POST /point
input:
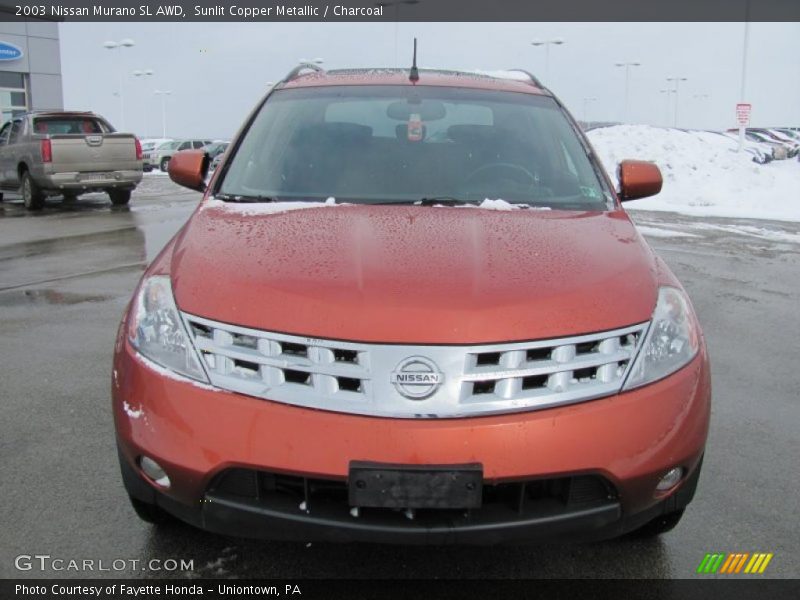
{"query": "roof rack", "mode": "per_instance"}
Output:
(533, 78)
(299, 69)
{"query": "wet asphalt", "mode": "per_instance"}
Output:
(66, 275)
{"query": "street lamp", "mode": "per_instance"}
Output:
(627, 66)
(144, 74)
(677, 81)
(547, 44)
(586, 102)
(118, 46)
(163, 94)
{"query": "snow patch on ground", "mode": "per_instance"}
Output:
(265, 208)
(703, 173)
(663, 233)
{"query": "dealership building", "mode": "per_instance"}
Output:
(30, 67)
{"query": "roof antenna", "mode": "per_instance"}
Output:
(413, 75)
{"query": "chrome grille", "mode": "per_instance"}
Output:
(356, 377)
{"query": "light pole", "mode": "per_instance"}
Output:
(547, 44)
(144, 74)
(667, 92)
(111, 45)
(163, 94)
(677, 81)
(586, 102)
(742, 94)
(627, 66)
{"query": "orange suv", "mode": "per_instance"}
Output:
(411, 309)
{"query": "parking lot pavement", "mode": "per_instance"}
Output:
(66, 275)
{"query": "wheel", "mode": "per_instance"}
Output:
(659, 525)
(147, 168)
(149, 513)
(32, 195)
(70, 196)
(164, 164)
(119, 197)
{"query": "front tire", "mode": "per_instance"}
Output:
(70, 197)
(164, 164)
(32, 195)
(119, 197)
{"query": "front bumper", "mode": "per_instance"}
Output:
(196, 433)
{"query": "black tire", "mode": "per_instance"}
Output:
(150, 513)
(164, 164)
(119, 197)
(32, 195)
(70, 196)
(659, 525)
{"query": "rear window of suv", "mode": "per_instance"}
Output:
(68, 125)
(376, 144)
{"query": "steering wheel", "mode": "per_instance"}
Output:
(509, 167)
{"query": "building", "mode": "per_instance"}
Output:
(30, 67)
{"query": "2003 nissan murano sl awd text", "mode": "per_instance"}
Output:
(411, 309)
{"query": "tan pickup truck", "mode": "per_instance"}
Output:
(67, 153)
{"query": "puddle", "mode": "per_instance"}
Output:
(39, 297)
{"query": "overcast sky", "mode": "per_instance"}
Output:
(218, 71)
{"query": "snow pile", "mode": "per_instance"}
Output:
(703, 173)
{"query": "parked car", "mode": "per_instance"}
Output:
(761, 153)
(780, 150)
(214, 149)
(348, 342)
(160, 156)
(67, 153)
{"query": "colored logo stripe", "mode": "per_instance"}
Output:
(720, 562)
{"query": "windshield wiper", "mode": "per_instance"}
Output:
(240, 198)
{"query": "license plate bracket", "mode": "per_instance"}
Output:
(380, 485)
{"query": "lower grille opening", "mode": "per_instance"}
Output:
(245, 367)
(347, 356)
(329, 497)
(534, 382)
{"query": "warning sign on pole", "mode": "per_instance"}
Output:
(743, 114)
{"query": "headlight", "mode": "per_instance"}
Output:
(157, 331)
(672, 340)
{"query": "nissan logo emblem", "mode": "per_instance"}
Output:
(416, 378)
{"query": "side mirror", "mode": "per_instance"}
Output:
(637, 179)
(189, 169)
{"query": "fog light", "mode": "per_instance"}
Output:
(670, 480)
(154, 471)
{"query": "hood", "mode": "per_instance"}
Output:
(410, 274)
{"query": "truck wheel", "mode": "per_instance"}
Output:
(164, 164)
(150, 513)
(119, 197)
(70, 196)
(32, 195)
(659, 525)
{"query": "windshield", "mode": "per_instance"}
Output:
(379, 144)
